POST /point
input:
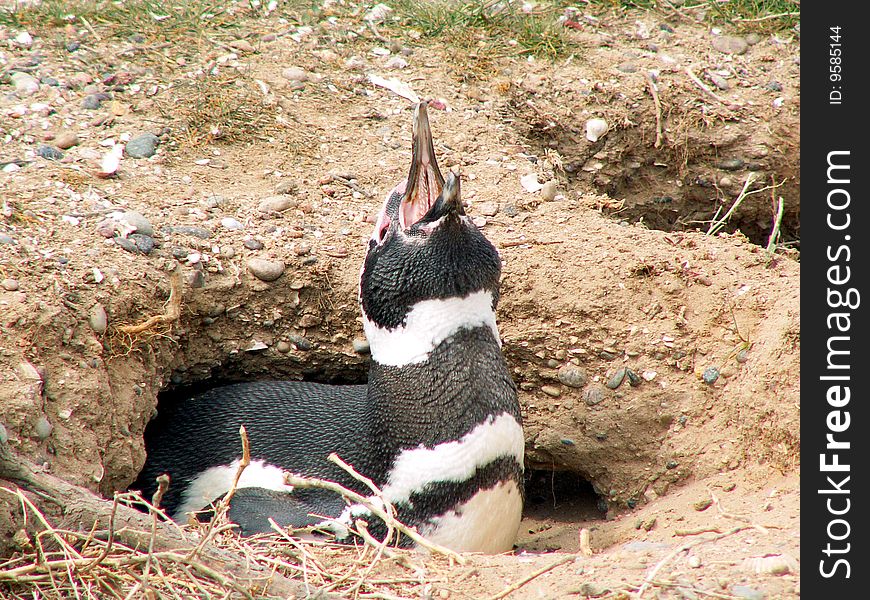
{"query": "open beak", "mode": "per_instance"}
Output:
(425, 181)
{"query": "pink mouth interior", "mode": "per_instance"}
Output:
(425, 193)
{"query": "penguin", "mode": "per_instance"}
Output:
(437, 427)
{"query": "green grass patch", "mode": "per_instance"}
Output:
(153, 19)
(481, 23)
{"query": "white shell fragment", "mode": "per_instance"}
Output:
(111, 161)
(530, 183)
(595, 129)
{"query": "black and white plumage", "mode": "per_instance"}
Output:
(438, 425)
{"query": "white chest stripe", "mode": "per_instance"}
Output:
(216, 481)
(429, 323)
(455, 461)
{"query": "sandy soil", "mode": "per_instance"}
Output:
(683, 469)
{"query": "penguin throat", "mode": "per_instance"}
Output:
(423, 194)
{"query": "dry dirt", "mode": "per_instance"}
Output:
(589, 286)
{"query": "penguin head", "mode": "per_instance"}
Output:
(424, 246)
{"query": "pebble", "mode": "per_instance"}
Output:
(241, 45)
(5, 239)
(773, 86)
(137, 221)
(719, 81)
(266, 270)
(252, 244)
(666, 27)
(49, 153)
(300, 342)
(142, 146)
(98, 319)
(4, 435)
(295, 74)
(227, 252)
(548, 192)
(66, 140)
(126, 244)
(180, 253)
(730, 44)
(231, 224)
(694, 561)
(710, 375)
(43, 427)
(49, 81)
(73, 46)
(616, 379)
(743, 356)
(92, 101)
(634, 379)
(144, 243)
(276, 204)
(287, 187)
(572, 376)
(747, 593)
(361, 346)
(753, 38)
(627, 67)
(283, 347)
(730, 164)
(551, 391)
(196, 279)
(593, 395)
(194, 230)
(10, 285)
(488, 209)
(25, 84)
(24, 39)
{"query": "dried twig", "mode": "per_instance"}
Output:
(655, 95)
(777, 222)
(706, 89)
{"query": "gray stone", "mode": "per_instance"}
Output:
(295, 74)
(719, 81)
(572, 376)
(747, 593)
(253, 244)
(194, 230)
(730, 44)
(144, 243)
(25, 84)
(300, 342)
(98, 319)
(627, 67)
(710, 375)
(126, 244)
(551, 390)
(137, 221)
(616, 379)
(593, 395)
(773, 86)
(92, 101)
(142, 146)
(5, 239)
(753, 38)
(49, 153)
(730, 164)
(266, 270)
(43, 427)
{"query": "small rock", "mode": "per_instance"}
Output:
(730, 164)
(5, 239)
(719, 81)
(49, 153)
(4, 435)
(295, 74)
(194, 230)
(710, 375)
(126, 244)
(742, 356)
(361, 346)
(241, 45)
(144, 243)
(73, 46)
(137, 221)
(266, 270)
(548, 192)
(276, 204)
(551, 391)
(595, 129)
(25, 84)
(92, 101)
(24, 39)
(730, 44)
(694, 561)
(592, 590)
(300, 342)
(252, 244)
(283, 347)
(666, 27)
(10, 285)
(49, 81)
(43, 427)
(616, 379)
(593, 395)
(702, 505)
(302, 249)
(753, 38)
(231, 224)
(747, 593)
(773, 86)
(488, 209)
(98, 319)
(627, 67)
(634, 379)
(196, 279)
(227, 252)
(572, 376)
(66, 140)
(142, 146)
